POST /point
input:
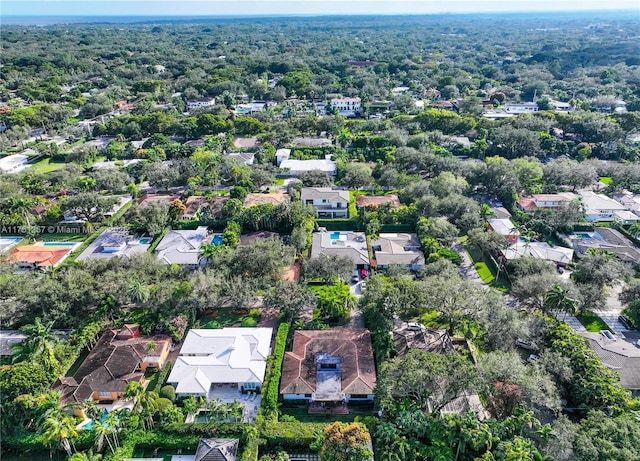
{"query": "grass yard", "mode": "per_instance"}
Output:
(46, 166)
(301, 413)
(227, 317)
(484, 271)
(606, 180)
(79, 237)
(591, 321)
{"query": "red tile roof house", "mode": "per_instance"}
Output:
(544, 201)
(120, 357)
(377, 200)
(329, 369)
(39, 256)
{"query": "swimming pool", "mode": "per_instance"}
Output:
(145, 241)
(337, 236)
(217, 239)
(59, 244)
(583, 235)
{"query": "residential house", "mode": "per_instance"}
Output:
(505, 228)
(243, 158)
(327, 202)
(14, 163)
(347, 107)
(228, 357)
(246, 143)
(40, 255)
(397, 250)
(540, 250)
(560, 106)
(600, 208)
(500, 212)
(607, 239)
(619, 356)
(250, 108)
(363, 201)
(215, 450)
(289, 167)
(329, 369)
(350, 244)
(545, 201)
(115, 241)
(630, 201)
(311, 142)
(406, 338)
(282, 155)
(182, 247)
(521, 108)
(119, 357)
(193, 205)
(200, 102)
(163, 198)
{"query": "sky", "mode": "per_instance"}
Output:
(292, 7)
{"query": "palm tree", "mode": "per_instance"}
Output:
(139, 292)
(60, 428)
(103, 431)
(37, 344)
(634, 230)
(86, 456)
(143, 402)
(558, 298)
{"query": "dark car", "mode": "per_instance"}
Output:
(626, 322)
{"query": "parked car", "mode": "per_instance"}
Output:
(528, 345)
(363, 286)
(626, 322)
(355, 278)
(560, 270)
(532, 358)
(413, 326)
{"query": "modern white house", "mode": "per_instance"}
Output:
(521, 108)
(348, 107)
(200, 102)
(600, 208)
(296, 167)
(505, 228)
(182, 247)
(14, 163)
(217, 358)
(350, 244)
(327, 202)
(539, 250)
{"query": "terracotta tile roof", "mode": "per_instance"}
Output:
(527, 203)
(110, 366)
(352, 345)
(371, 200)
(42, 256)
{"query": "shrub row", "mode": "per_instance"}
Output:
(271, 385)
(162, 377)
(338, 224)
(291, 436)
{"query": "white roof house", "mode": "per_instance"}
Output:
(14, 163)
(294, 167)
(539, 250)
(182, 247)
(503, 226)
(234, 356)
(350, 244)
(599, 207)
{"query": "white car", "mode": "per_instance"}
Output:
(413, 326)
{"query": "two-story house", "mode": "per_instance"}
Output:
(327, 202)
(348, 107)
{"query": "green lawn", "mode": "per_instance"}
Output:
(606, 180)
(80, 237)
(485, 272)
(220, 318)
(45, 166)
(301, 414)
(591, 321)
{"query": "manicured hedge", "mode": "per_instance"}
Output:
(291, 437)
(338, 224)
(271, 385)
(162, 377)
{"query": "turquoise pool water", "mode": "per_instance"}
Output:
(145, 241)
(335, 236)
(217, 239)
(59, 244)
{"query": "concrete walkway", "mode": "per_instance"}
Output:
(570, 320)
(467, 271)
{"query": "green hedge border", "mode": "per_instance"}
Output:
(271, 385)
